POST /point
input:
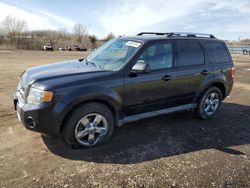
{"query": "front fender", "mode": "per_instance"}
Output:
(84, 94)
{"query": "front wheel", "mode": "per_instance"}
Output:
(89, 125)
(209, 103)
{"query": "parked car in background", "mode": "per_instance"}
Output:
(78, 48)
(48, 47)
(61, 49)
(127, 79)
(75, 48)
(246, 52)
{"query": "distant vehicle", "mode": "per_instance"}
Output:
(127, 79)
(61, 49)
(68, 48)
(246, 52)
(82, 49)
(77, 48)
(48, 47)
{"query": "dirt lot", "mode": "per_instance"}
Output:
(169, 151)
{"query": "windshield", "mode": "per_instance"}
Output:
(114, 54)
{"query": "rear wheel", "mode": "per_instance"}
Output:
(209, 103)
(89, 125)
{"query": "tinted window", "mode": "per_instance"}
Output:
(190, 53)
(158, 56)
(216, 52)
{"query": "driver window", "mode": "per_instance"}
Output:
(158, 56)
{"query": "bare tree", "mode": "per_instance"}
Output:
(79, 31)
(1, 29)
(1, 34)
(93, 39)
(245, 40)
(14, 28)
(109, 36)
(13, 34)
(63, 34)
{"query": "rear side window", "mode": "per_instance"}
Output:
(216, 52)
(190, 54)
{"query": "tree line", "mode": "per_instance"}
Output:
(14, 34)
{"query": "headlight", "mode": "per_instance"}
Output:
(37, 96)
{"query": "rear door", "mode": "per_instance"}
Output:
(192, 69)
(221, 60)
(219, 57)
(154, 90)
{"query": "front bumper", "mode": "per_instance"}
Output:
(37, 118)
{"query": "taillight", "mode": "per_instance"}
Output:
(232, 72)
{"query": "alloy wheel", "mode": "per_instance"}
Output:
(211, 103)
(91, 129)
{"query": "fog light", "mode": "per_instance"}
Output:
(30, 123)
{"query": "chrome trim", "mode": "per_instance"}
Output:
(22, 93)
(138, 117)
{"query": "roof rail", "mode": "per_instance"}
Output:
(178, 34)
(151, 33)
(185, 34)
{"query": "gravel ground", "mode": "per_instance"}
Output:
(174, 150)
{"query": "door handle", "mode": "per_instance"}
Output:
(166, 78)
(204, 72)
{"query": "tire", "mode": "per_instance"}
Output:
(89, 125)
(209, 103)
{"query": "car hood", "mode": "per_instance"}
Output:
(58, 71)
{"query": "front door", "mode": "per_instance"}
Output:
(157, 89)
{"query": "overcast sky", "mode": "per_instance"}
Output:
(226, 19)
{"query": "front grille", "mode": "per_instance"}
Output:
(21, 93)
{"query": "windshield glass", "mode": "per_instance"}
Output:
(114, 54)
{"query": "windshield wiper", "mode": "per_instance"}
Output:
(92, 63)
(89, 62)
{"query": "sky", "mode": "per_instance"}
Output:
(226, 19)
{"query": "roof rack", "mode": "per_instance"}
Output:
(178, 34)
(184, 34)
(151, 33)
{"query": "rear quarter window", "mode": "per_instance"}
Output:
(217, 52)
(190, 54)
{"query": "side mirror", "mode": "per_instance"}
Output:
(140, 68)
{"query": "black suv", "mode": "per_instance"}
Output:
(125, 80)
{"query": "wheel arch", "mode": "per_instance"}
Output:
(112, 108)
(222, 88)
(217, 84)
(75, 98)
